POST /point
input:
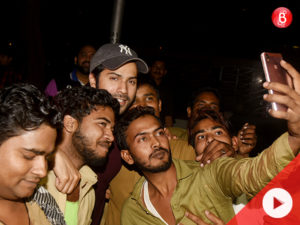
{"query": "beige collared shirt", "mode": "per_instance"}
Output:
(36, 214)
(86, 194)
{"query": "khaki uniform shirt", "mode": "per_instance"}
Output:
(213, 186)
(86, 194)
(122, 185)
(179, 132)
(36, 214)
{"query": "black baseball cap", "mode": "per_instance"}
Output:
(113, 56)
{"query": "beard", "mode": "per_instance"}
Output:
(89, 155)
(154, 169)
(83, 69)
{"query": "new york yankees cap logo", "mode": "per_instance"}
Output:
(113, 56)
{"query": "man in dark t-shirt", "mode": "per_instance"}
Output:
(79, 75)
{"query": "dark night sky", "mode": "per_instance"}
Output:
(212, 27)
(188, 31)
(227, 28)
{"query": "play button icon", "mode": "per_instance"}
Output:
(277, 203)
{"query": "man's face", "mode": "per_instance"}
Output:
(23, 161)
(147, 96)
(148, 144)
(83, 59)
(94, 136)
(158, 70)
(206, 100)
(207, 131)
(120, 83)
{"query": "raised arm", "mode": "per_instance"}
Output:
(251, 175)
(291, 98)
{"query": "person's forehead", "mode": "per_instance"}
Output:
(41, 139)
(207, 124)
(159, 64)
(86, 49)
(144, 123)
(207, 96)
(102, 111)
(146, 89)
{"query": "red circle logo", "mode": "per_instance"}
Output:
(282, 17)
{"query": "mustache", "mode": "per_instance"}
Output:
(121, 96)
(157, 150)
(105, 144)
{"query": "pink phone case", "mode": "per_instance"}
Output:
(274, 73)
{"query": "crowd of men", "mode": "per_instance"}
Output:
(93, 149)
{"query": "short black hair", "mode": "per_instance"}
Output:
(126, 119)
(206, 114)
(199, 91)
(159, 58)
(80, 101)
(145, 79)
(81, 45)
(23, 107)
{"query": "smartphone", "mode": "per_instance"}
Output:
(274, 73)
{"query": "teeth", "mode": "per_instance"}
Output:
(121, 100)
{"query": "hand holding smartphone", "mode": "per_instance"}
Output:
(274, 73)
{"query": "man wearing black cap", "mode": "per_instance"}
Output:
(114, 67)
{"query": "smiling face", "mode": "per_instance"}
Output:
(147, 96)
(120, 83)
(206, 131)
(23, 161)
(148, 144)
(94, 136)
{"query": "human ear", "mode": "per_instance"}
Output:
(92, 80)
(126, 156)
(159, 105)
(235, 144)
(70, 124)
(189, 111)
(168, 133)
